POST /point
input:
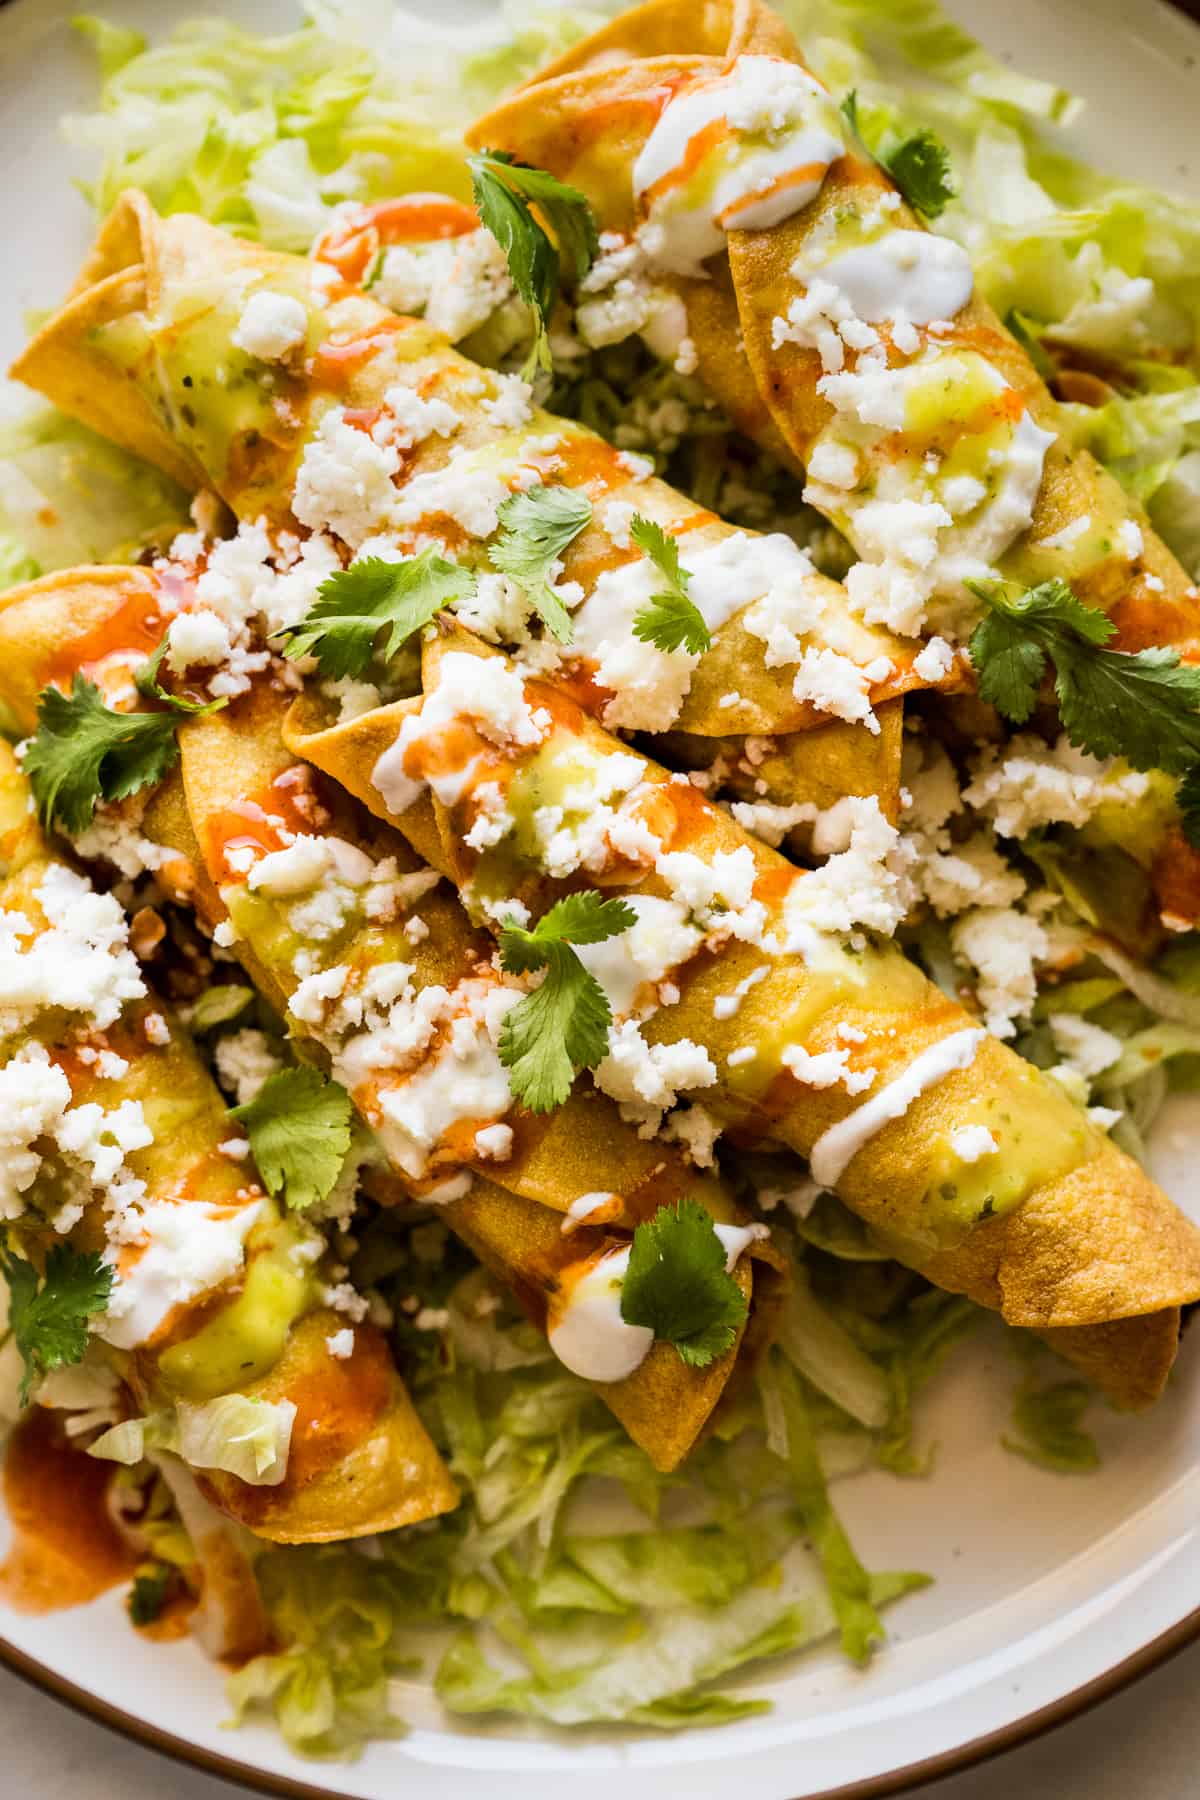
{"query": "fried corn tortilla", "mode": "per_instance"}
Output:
(263, 1333)
(1055, 1228)
(144, 351)
(587, 117)
(103, 623)
(237, 770)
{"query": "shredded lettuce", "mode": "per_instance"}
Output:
(16, 564)
(924, 1335)
(1047, 1420)
(268, 134)
(1100, 271)
(1175, 506)
(115, 45)
(596, 1674)
(919, 33)
(247, 1438)
(847, 1581)
(821, 1349)
(68, 496)
(336, 1612)
(586, 1586)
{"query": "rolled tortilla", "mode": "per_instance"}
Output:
(145, 351)
(1041, 1217)
(103, 623)
(509, 1201)
(258, 1327)
(764, 341)
(513, 1214)
(586, 117)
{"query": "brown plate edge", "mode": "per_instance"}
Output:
(1021, 1731)
(955, 1761)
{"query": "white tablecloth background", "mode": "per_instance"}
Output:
(1142, 1745)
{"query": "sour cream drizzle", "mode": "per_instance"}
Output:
(743, 151)
(835, 1148)
(915, 275)
(583, 1207)
(590, 1337)
(736, 1238)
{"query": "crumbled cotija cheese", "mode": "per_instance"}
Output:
(81, 963)
(271, 324)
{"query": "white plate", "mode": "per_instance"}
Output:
(1050, 1591)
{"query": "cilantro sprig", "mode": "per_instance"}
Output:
(354, 605)
(1143, 706)
(152, 1584)
(543, 227)
(83, 752)
(918, 164)
(672, 621)
(298, 1125)
(535, 528)
(49, 1319)
(146, 680)
(678, 1286)
(562, 1026)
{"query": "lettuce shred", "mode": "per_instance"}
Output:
(246, 1437)
(266, 135)
(1099, 272)
(68, 496)
(1048, 1414)
(575, 1584)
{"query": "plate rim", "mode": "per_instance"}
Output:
(955, 1761)
(958, 1759)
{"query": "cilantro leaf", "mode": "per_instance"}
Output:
(83, 752)
(677, 1284)
(506, 195)
(535, 529)
(354, 605)
(147, 683)
(1010, 666)
(148, 1595)
(918, 164)
(554, 1032)
(562, 1026)
(920, 168)
(299, 1130)
(583, 918)
(1189, 805)
(672, 620)
(49, 1322)
(1144, 707)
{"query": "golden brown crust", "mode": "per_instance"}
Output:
(585, 118)
(130, 404)
(380, 1472)
(664, 1408)
(512, 1216)
(1094, 1244)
